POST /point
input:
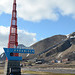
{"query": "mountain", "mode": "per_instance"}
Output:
(55, 47)
(44, 44)
(47, 43)
(65, 49)
(2, 57)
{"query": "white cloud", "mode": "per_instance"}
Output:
(36, 10)
(24, 37)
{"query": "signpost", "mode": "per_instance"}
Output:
(12, 66)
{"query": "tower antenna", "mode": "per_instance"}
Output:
(13, 36)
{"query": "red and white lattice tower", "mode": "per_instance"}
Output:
(13, 37)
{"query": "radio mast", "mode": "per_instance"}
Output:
(13, 36)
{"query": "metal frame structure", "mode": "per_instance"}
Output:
(13, 36)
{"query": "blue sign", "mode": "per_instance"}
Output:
(9, 53)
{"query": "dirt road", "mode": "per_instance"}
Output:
(65, 71)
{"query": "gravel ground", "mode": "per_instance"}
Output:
(65, 71)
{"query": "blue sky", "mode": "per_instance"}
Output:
(37, 19)
(44, 28)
